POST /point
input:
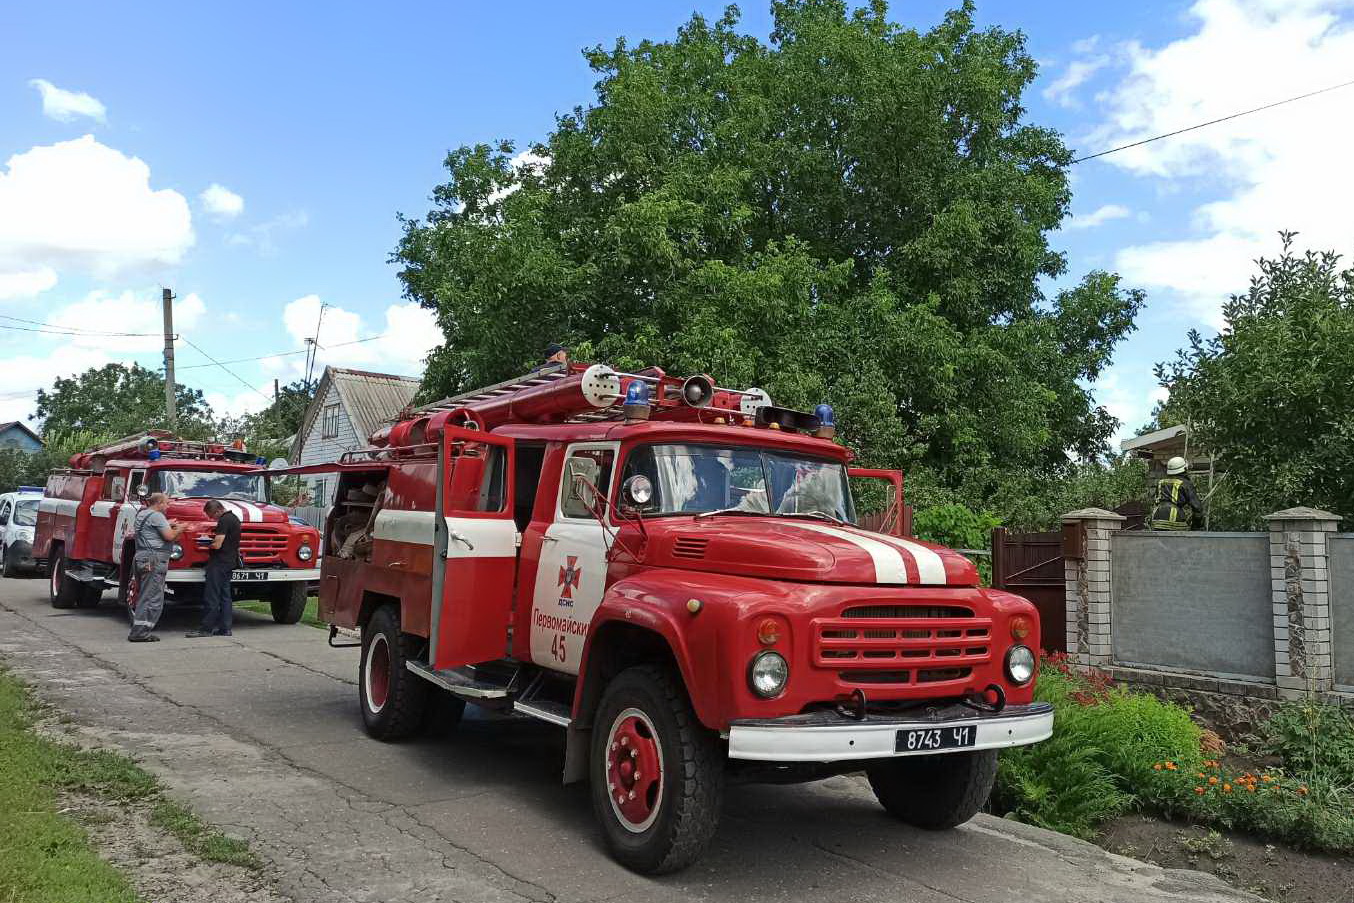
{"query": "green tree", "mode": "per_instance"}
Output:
(854, 212)
(1270, 395)
(274, 424)
(119, 400)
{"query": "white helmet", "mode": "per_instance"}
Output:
(1176, 465)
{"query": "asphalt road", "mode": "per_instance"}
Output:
(260, 733)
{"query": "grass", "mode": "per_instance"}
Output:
(47, 858)
(1114, 750)
(311, 616)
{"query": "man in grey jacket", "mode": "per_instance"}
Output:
(154, 537)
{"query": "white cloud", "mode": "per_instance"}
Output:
(245, 401)
(26, 283)
(79, 204)
(260, 236)
(66, 106)
(218, 200)
(1121, 392)
(1098, 217)
(1060, 91)
(1279, 169)
(39, 371)
(409, 333)
(523, 161)
(130, 311)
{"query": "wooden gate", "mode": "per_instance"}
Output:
(1031, 565)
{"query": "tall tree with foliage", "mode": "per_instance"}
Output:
(854, 212)
(119, 400)
(275, 423)
(1270, 395)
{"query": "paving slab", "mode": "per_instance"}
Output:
(260, 733)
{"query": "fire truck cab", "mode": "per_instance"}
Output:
(671, 572)
(84, 534)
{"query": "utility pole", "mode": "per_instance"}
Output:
(275, 390)
(171, 413)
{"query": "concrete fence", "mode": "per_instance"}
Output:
(1268, 615)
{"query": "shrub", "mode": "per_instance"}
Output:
(1309, 736)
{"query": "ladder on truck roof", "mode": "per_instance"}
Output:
(530, 380)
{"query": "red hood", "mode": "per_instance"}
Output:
(804, 549)
(248, 512)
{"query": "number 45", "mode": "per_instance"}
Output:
(558, 648)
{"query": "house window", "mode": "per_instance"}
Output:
(329, 422)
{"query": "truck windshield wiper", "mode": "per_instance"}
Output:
(818, 515)
(741, 511)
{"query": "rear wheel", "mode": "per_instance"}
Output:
(657, 777)
(288, 602)
(128, 586)
(393, 698)
(6, 569)
(90, 594)
(935, 792)
(61, 590)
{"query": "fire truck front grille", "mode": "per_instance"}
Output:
(261, 545)
(874, 644)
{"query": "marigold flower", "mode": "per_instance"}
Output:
(1267, 779)
(1250, 788)
(1226, 788)
(1200, 774)
(1157, 766)
(1213, 779)
(1170, 766)
(1303, 790)
(1199, 790)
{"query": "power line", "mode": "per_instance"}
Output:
(76, 330)
(227, 369)
(246, 360)
(1268, 106)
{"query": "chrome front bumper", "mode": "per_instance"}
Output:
(830, 737)
(275, 575)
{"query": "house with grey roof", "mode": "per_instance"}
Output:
(349, 405)
(16, 434)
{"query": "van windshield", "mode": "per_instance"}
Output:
(696, 479)
(209, 484)
(26, 513)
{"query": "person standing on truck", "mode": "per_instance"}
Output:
(1177, 505)
(555, 354)
(154, 536)
(218, 609)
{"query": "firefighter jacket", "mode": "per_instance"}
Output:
(1177, 504)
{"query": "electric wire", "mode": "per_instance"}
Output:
(237, 376)
(1238, 115)
(245, 360)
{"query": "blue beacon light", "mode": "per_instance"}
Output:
(636, 404)
(153, 454)
(827, 421)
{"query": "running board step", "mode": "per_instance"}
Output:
(545, 710)
(456, 680)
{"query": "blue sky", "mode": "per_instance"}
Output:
(319, 123)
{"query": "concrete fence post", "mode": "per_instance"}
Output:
(1086, 570)
(1300, 582)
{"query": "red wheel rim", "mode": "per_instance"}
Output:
(634, 770)
(133, 585)
(377, 677)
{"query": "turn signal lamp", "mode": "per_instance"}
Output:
(1021, 627)
(768, 632)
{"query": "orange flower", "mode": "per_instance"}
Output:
(1213, 779)
(1226, 788)
(1250, 788)
(1200, 775)
(1170, 766)
(1199, 790)
(1303, 790)
(1267, 779)
(1157, 766)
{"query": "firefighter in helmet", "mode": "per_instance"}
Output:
(1177, 505)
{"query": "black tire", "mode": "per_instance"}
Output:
(90, 594)
(127, 585)
(288, 602)
(61, 590)
(6, 569)
(669, 824)
(935, 792)
(393, 699)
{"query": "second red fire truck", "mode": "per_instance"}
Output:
(85, 539)
(671, 573)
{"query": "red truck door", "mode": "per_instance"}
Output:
(474, 549)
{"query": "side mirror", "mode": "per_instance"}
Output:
(142, 491)
(278, 464)
(584, 491)
(637, 491)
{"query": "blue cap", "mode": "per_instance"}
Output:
(825, 416)
(637, 392)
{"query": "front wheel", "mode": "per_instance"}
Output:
(288, 602)
(61, 590)
(934, 792)
(6, 569)
(657, 777)
(393, 698)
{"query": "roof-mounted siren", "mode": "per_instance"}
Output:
(636, 405)
(149, 444)
(752, 401)
(786, 419)
(698, 391)
(827, 421)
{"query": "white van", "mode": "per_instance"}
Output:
(18, 517)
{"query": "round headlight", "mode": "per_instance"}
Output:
(175, 552)
(304, 553)
(768, 674)
(1020, 664)
(638, 490)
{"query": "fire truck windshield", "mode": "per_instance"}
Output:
(700, 479)
(209, 484)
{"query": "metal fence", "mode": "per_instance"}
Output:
(1193, 602)
(1340, 549)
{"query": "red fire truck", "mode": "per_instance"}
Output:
(671, 572)
(84, 532)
